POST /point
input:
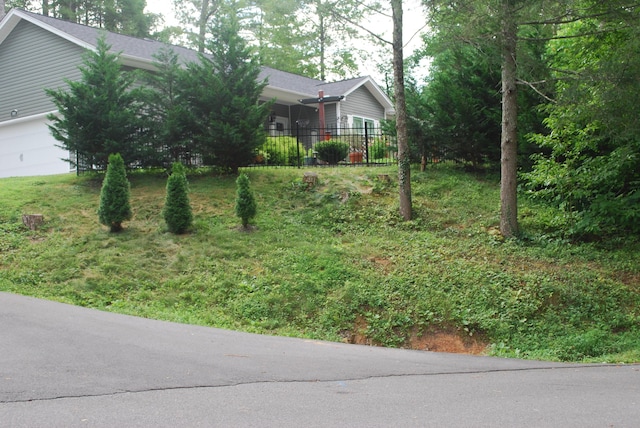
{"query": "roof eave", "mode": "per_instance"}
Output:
(377, 93)
(17, 15)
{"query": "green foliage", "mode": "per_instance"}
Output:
(121, 16)
(177, 209)
(115, 206)
(591, 171)
(332, 151)
(456, 114)
(460, 106)
(245, 202)
(169, 138)
(100, 113)
(304, 38)
(334, 262)
(378, 150)
(282, 151)
(222, 92)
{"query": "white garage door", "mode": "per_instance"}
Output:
(27, 148)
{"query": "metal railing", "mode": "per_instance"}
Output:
(295, 147)
(303, 146)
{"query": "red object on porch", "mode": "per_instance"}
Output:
(355, 157)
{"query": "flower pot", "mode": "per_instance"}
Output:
(355, 157)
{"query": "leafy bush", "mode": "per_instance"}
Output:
(114, 196)
(177, 209)
(245, 202)
(281, 151)
(378, 150)
(332, 151)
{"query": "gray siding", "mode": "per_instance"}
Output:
(32, 59)
(361, 103)
(280, 110)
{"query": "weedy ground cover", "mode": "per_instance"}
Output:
(332, 262)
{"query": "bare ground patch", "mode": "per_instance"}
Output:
(434, 339)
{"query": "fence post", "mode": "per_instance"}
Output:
(298, 141)
(366, 141)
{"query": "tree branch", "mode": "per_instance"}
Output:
(575, 36)
(536, 90)
(562, 19)
(355, 24)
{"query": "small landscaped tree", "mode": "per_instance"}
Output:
(114, 196)
(177, 209)
(245, 202)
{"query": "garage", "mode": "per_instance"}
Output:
(27, 148)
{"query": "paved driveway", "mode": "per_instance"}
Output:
(65, 366)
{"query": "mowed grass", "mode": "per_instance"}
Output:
(333, 262)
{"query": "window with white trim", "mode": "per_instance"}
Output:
(358, 124)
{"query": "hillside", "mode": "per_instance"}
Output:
(333, 262)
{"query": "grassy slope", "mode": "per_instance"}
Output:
(331, 263)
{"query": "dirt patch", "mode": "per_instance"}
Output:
(434, 339)
(447, 341)
(381, 262)
(358, 335)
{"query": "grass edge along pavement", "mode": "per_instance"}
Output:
(333, 262)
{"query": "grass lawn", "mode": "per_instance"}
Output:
(333, 262)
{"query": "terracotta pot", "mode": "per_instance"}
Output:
(355, 157)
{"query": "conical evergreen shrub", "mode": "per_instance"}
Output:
(177, 208)
(115, 207)
(245, 202)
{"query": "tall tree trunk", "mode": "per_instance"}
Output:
(1, 9)
(202, 24)
(322, 37)
(404, 161)
(509, 139)
(45, 7)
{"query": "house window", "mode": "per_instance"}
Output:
(358, 124)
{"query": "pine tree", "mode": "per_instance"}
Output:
(223, 94)
(114, 196)
(100, 113)
(169, 133)
(245, 202)
(177, 209)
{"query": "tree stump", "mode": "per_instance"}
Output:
(311, 178)
(32, 221)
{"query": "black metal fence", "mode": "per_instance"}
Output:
(296, 147)
(306, 146)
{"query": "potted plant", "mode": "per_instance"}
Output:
(356, 149)
(355, 157)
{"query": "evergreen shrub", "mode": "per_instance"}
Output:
(245, 202)
(177, 208)
(115, 206)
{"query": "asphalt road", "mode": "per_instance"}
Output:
(65, 366)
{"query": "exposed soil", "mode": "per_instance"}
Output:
(434, 339)
(448, 341)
